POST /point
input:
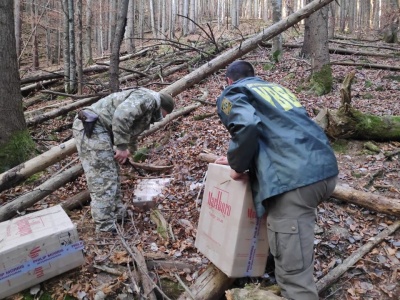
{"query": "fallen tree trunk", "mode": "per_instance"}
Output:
(347, 122)
(147, 283)
(77, 201)
(37, 86)
(210, 285)
(94, 68)
(338, 50)
(368, 200)
(358, 44)
(367, 65)
(334, 274)
(253, 293)
(37, 164)
(60, 111)
(371, 201)
(21, 203)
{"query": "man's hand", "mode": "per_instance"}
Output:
(121, 155)
(223, 160)
(239, 176)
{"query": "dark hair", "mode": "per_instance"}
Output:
(239, 69)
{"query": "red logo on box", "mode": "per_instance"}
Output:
(34, 252)
(216, 201)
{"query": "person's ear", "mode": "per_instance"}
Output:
(229, 80)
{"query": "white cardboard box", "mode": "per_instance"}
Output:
(147, 189)
(229, 234)
(36, 247)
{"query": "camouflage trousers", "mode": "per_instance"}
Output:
(102, 175)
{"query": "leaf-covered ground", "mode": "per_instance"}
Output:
(342, 227)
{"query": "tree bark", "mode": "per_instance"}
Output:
(37, 164)
(66, 52)
(211, 284)
(21, 203)
(116, 44)
(76, 201)
(347, 122)
(253, 293)
(88, 33)
(71, 48)
(12, 122)
(58, 112)
(276, 51)
(371, 201)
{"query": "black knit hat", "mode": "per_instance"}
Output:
(167, 103)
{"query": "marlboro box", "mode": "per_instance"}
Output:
(36, 247)
(229, 233)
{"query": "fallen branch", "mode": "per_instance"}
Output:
(368, 66)
(151, 168)
(36, 164)
(25, 201)
(148, 284)
(371, 201)
(334, 274)
(74, 96)
(76, 201)
(210, 285)
(58, 112)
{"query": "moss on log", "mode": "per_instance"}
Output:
(356, 125)
(347, 122)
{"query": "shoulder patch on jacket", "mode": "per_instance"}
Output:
(226, 106)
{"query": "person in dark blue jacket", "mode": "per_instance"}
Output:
(290, 164)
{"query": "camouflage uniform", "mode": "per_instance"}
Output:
(122, 117)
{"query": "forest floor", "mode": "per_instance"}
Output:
(341, 227)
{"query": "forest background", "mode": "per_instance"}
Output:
(66, 51)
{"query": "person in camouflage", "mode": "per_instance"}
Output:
(106, 134)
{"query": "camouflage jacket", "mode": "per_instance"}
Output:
(127, 114)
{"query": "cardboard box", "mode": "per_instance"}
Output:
(229, 234)
(36, 247)
(147, 189)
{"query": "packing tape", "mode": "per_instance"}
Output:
(253, 247)
(37, 262)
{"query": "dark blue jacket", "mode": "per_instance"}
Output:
(273, 137)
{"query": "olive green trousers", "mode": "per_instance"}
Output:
(290, 222)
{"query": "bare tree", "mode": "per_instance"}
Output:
(80, 48)
(235, 13)
(130, 27)
(15, 142)
(316, 48)
(276, 52)
(112, 16)
(35, 51)
(88, 33)
(17, 25)
(185, 27)
(69, 47)
(331, 20)
(391, 21)
(116, 44)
